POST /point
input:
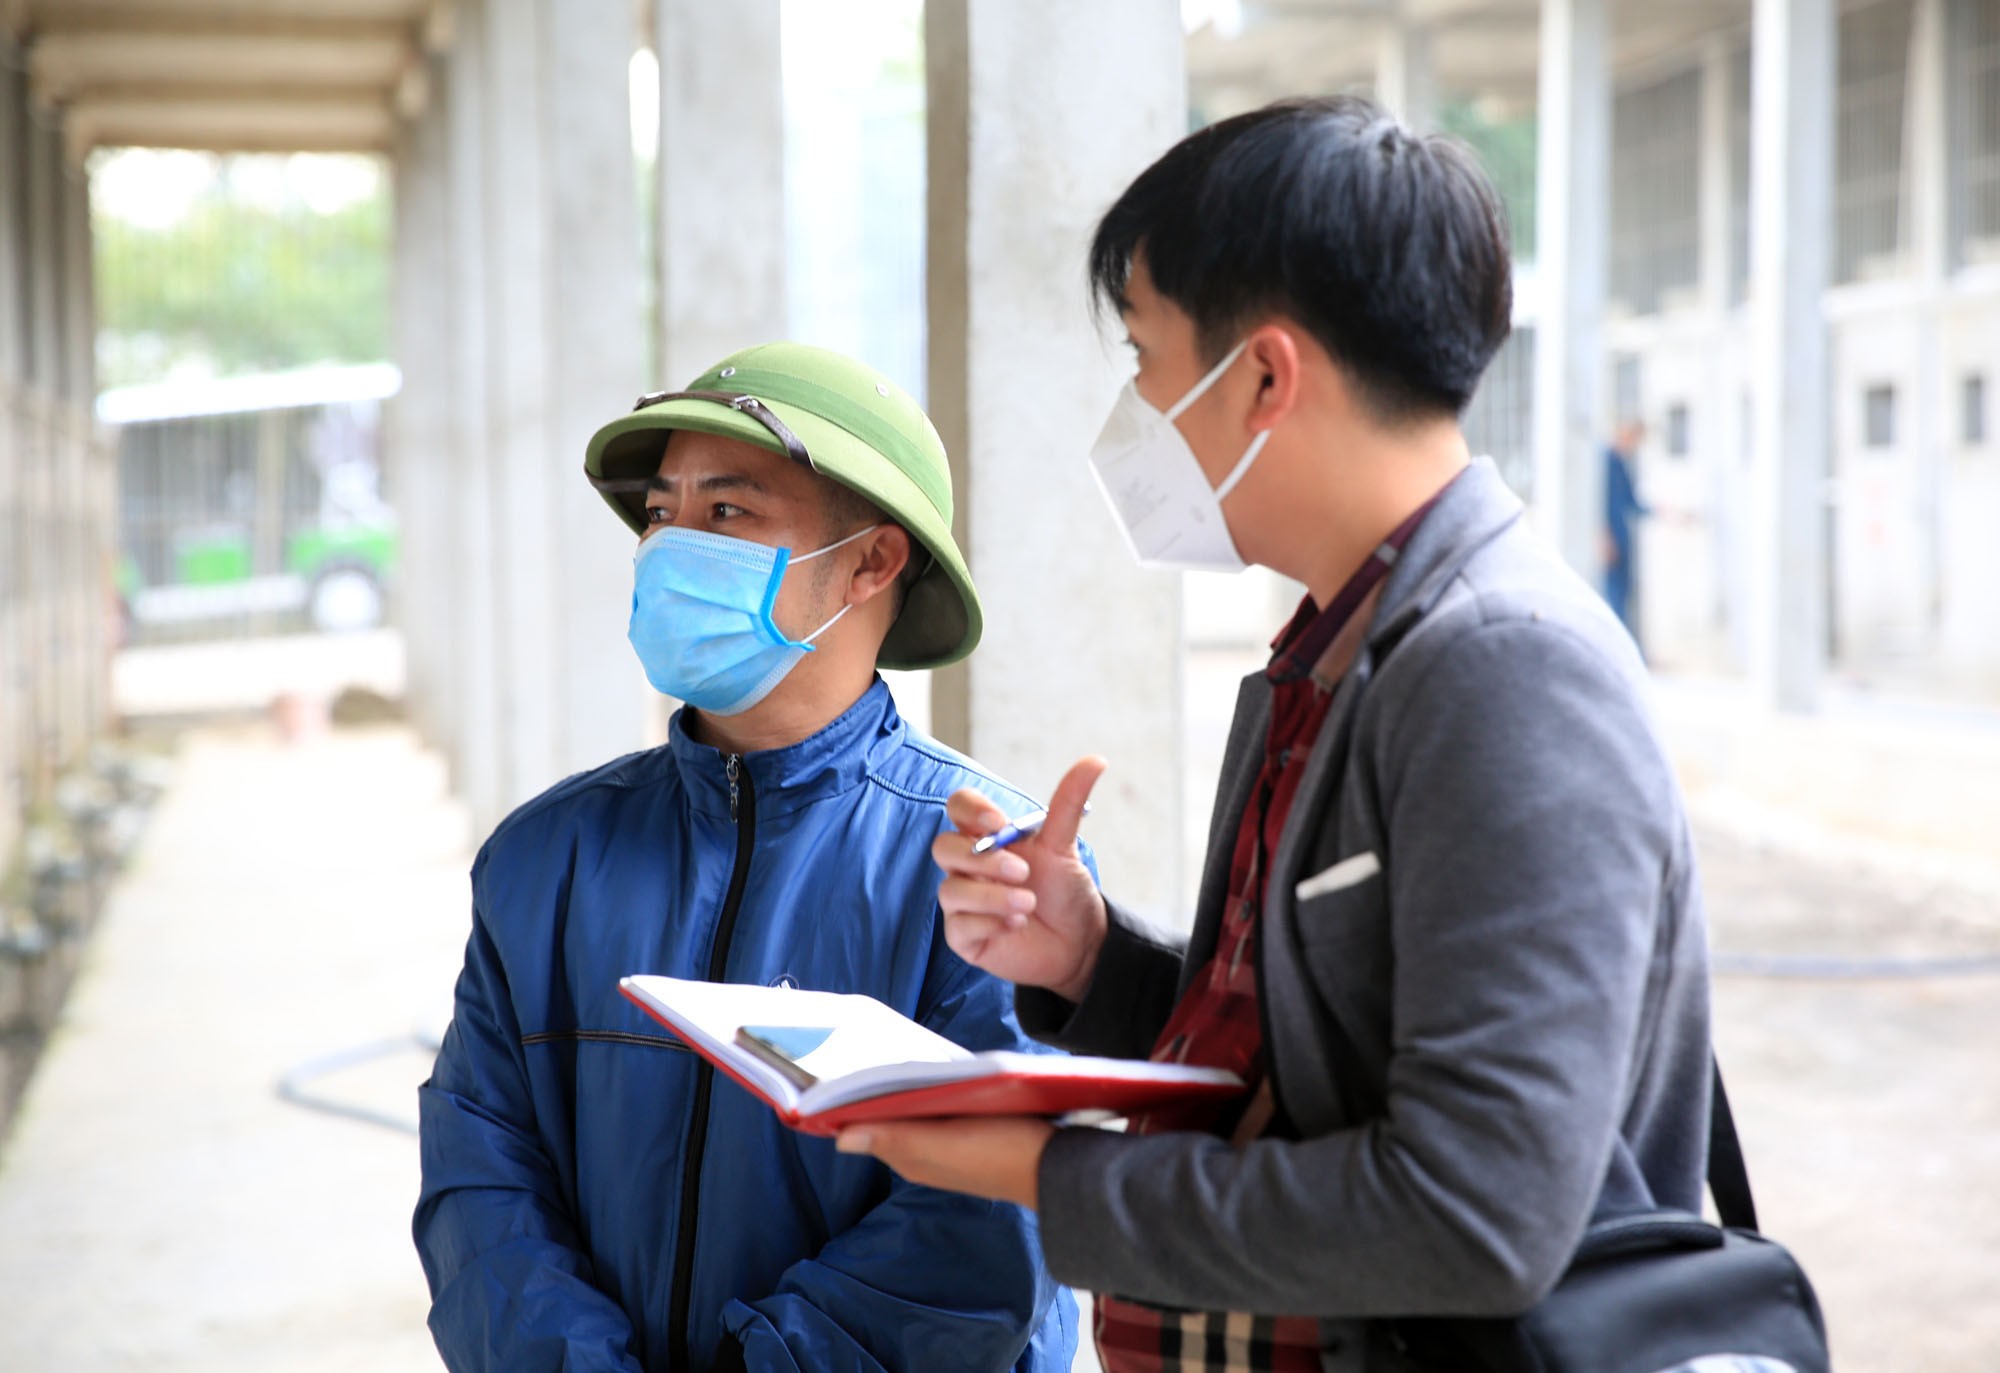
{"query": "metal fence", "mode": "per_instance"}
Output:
(1975, 136)
(1868, 239)
(1656, 192)
(1500, 422)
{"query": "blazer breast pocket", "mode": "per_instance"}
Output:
(1348, 872)
(1342, 917)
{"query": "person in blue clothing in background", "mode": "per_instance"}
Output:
(593, 1198)
(1622, 507)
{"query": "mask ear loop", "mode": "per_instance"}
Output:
(807, 642)
(808, 557)
(1201, 387)
(1237, 473)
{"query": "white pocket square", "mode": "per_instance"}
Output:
(1346, 873)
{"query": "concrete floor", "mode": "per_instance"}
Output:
(1869, 1107)
(161, 1208)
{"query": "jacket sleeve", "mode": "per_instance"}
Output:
(510, 1285)
(1131, 994)
(871, 1301)
(1530, 825)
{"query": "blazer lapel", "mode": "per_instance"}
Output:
(1241, 759)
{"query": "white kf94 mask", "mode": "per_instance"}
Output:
(1171, 516)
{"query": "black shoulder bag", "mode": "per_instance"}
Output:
(1653, 1292)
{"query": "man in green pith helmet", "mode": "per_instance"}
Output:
(592, 1197)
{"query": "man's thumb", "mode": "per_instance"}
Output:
(1066, 806)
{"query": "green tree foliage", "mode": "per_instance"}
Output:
(237, 287)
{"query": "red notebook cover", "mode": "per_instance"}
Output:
(993, 1094)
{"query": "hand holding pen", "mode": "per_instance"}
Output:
(1020, 827)
(1017, 898)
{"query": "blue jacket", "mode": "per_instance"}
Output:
(1621, 503)
(594, 1197)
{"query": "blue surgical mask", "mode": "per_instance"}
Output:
(701, 617)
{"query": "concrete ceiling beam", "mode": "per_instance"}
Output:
(127, 13)
(1485, 49)
(218, 124)
(1431, 13)
(67, 65)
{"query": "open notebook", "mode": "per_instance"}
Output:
(823, 1060)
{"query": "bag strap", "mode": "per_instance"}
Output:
(1728, 1175)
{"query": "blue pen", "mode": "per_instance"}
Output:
(1020, 827)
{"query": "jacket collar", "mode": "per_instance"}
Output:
(834, 760)
(1473, 509)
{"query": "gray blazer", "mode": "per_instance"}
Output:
(1523, 978)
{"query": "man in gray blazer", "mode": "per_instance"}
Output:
(1449, 931)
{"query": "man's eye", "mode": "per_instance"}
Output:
(724, 510)
(657, 514)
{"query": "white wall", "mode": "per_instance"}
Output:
(1915, 554)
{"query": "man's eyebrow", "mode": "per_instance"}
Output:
(719, 481)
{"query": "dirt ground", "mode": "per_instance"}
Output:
(1870, 1106)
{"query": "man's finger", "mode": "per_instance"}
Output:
(970, 896)
(974, 813)
(1066, 806)
(971, 936)
(952, 852)
(865, 1139)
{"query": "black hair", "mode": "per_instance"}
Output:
(1389, 248)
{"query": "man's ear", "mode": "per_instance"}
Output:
(884, 555)
(1274, 352)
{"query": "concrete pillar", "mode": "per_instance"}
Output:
(13, 185)
(14, 679)
(595, 346)
(1032, 134)
(44, 251)
(519, 312)
(429, 581)
(79, 289)
(1927, 140)
(12, 702)
(543, 335)
(44, 324)
(473, 690)
(1719, 427)
(722, 125)
(1791, 186)
(86, 525)
(1405, 75)
(1572, 228)
(1717, 56)
(1926, 203)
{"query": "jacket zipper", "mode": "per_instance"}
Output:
(743, 814)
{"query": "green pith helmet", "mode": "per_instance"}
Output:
(848, 423)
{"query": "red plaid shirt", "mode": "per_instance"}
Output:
(1217, 1023)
